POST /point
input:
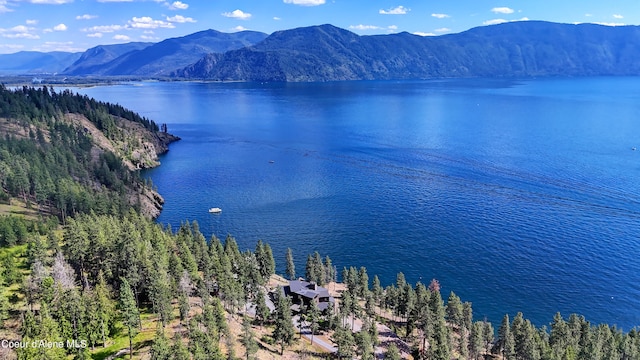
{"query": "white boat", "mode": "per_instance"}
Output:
(215, 210)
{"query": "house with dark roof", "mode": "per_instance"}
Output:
(302, 293)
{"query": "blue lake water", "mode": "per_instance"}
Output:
(517, 195)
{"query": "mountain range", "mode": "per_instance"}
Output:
(518, 49)
(36, 62)
(329, 53)
(166, 56)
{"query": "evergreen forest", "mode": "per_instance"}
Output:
(84, 274)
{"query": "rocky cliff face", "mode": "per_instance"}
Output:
(137, 147)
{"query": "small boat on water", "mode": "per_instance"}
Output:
(215, 210)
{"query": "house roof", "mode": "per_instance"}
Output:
(307, 289)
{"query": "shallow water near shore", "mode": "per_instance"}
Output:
(517, 195)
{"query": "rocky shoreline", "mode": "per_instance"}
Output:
(150, 201)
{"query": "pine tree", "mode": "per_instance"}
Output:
(178, 350)
(160, 350)
(560, 337)
(376, 290)
(262, 311)
(284, 332)
(364, 344)
(318, 269)
(463, 344)
(266, 263)
(441, 347)
(392, 352)
(454, 310)
(183, 307)
(346, 305)
(423, 317)
(487, 335)
(363, 282)
(343, 338)
(105, 307)
(475, 340)
(248, 339)
(312, 315)
(329, 270)
(310, 270)
(130, 313)
(467, 315)
(4, 305)
(48, 330)
(270, 262)
(291, 266)
(160, 294)
(369, 306)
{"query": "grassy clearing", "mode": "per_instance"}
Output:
(141, 343)
(18, 208)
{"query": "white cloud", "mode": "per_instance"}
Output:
(276, 18)
(105, 1)
(239, 28)
(121, 37)
(364, 27)
(441, 30)
(3, 7)
(400, 10)
(147, 22)
(392, 27)
(57, 46)
(21, 36)
(86, 17)
(180, 19)
(178, 5)
(618, 16)
(54, 2)
(610, 24)
(494, 22)
(60, 27)
(148, 32)
(419, 33)
(95, 35)
(12, 47)
(31, 22)
(305, 2)
(502, 10)
(440, 16)
(19, 32)
(147, 37)
(588, 15)
(500, 21)
(105, 28)
(20, 28)
(237, 14)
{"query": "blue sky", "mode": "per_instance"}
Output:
(76, 25)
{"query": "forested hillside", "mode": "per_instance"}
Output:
(63, 154)
(123, 283)
(513, 50)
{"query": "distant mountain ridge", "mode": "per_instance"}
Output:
(93, 59)
(166, 56)
(34, 62)
(329, 53)
(517, 49)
